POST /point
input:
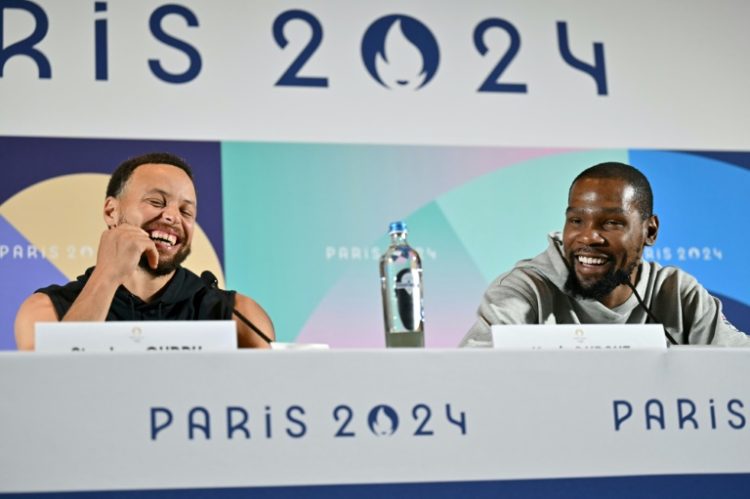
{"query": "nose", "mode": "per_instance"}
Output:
(170, 214)
(590, 236)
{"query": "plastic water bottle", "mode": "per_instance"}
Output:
(401, 284)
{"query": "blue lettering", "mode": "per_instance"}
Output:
(730, 407)
(492, 82)
(425, 410)
(269, 434)
(232, 427)
(290, 416)
(460, 421)
(156, 29)
(156, 428)
(658, 416)
(685, 417)
(194, 425)
(100, 43)
(597, 70)
(619, 417)
(291, 77)
(347, 417)
(27, 45)
(712, 410)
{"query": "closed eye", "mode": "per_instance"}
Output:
(159, 203)
(614, 223)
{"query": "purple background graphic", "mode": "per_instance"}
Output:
(16, 278)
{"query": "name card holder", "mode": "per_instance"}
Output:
(135, 336)
(579, 337)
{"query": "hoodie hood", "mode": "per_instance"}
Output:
(550, 264)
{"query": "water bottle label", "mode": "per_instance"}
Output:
(405, 280)
(405, 298)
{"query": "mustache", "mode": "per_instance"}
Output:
(589, 249)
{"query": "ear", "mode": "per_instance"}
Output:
(111, 213)
(652, 229)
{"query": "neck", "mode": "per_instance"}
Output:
(145, 285)
(621, 293)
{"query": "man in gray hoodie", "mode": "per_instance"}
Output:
(584, 276)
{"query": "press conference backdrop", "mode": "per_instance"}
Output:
(310, 128)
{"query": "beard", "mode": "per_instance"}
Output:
(165, 267)
(600, 288)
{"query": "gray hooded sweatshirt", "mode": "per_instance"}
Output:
(533, 292)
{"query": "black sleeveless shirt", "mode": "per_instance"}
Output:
(185, 297)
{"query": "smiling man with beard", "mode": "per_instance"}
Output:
(150, 212)
(581, 278)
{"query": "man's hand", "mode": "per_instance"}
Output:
(120, 250)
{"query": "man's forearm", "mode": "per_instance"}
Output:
(94, 301)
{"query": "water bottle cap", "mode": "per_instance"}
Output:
(398, 226)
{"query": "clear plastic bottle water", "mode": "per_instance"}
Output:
(401, 285)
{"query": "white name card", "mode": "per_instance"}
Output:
(134, 336)
(579, 337)
(276, 345)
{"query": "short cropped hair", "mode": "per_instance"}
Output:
(123, 172)
(644, 197)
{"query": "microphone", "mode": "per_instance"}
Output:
(213, 283)
(625, 279)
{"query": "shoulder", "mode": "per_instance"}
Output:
(245, 303)
(701, 317)
(258, 317)
(47, 304)
(36, 308)
(65, 294)
(674, 280)
(203, 291)
(675, 288)
(524, 282)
